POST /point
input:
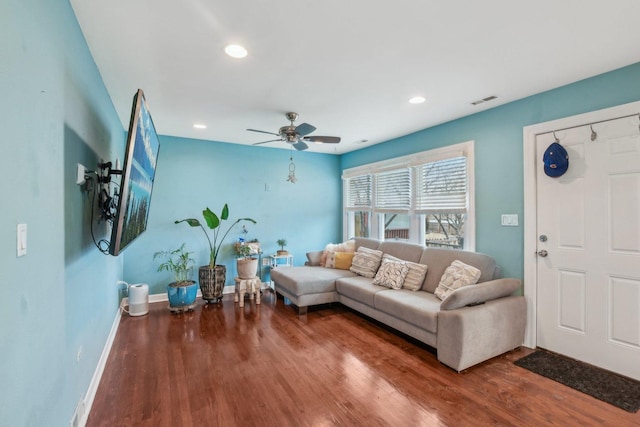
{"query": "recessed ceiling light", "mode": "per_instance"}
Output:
(235, 51)
(417, 100)
(199, 126)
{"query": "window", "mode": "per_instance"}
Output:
(425, 198)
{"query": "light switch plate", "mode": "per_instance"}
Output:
(509, 220)
(21, 241)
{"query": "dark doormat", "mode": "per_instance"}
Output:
(604, 385)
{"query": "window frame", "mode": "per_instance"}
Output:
(417, 219)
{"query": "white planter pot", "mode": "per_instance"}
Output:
(247, 267)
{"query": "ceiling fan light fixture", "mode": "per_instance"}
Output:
(236, 51)
(417, 100)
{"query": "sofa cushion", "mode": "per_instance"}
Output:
(314, 258)
(391, 273)
(402, 250)
(366, 261)
(305, 280)
(358, 288)
(418, 308)
(367, 242)
(457, 275)
(438, 259)
(480, 293)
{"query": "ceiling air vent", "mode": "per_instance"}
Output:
(480, 101)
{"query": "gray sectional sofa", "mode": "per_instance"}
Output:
(471, 325)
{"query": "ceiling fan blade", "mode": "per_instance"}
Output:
(300, 145)
(264, 142)
(263, 131)
(305, 129)
(323, 139)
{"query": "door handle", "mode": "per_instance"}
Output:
(542, 253)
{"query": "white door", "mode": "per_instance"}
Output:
(588, 222)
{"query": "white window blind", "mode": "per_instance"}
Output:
(442, 186)
(359, 192)
(393, 190)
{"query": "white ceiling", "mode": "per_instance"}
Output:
(347, 67)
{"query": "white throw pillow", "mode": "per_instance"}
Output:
(366, 261)
(391, 274)
(348, 246)
(457, 275)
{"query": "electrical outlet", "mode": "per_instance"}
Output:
(265, 261)
(78, 415)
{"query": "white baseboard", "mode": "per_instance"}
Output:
(97, 374)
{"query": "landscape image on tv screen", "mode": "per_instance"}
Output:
(137, 179)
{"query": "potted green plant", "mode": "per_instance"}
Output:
(282, 243)
(182, 291)
(213, 276)
(246, 263)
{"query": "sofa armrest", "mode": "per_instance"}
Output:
(314, 258)
(480, 293)
(470, 335)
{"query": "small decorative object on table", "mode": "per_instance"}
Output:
(282, 243)
(182, 292)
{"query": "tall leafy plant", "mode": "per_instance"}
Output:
(214, 223)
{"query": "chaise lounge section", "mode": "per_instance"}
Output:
(472, 324)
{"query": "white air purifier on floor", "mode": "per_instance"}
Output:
(138, 299)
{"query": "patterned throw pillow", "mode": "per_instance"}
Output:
(415, 276)
(391, 274)
(366, 261)
(330, 260)
(457, 275)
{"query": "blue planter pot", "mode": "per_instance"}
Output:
(183, 297)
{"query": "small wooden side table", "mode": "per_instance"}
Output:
(244, 286)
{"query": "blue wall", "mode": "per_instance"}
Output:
(61, 297)
(499, 157)
(195, 174)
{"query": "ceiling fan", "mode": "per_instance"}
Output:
(297, 135)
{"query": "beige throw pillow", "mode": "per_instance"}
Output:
(415, 275)
(391, 274)
(366, 261)
(457, 275)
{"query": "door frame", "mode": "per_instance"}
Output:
(530, 199)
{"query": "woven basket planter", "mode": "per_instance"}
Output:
(212, 282)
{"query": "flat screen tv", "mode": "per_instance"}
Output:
(138, 174)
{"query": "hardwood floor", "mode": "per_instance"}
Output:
(221, 365)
